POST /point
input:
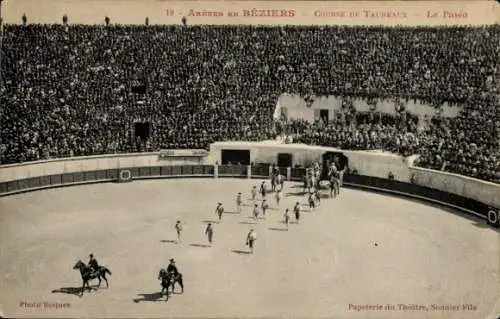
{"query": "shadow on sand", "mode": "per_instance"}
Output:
(247, 223)
(199, 245)
(168, 241)
(209, 221)
(154, 297)
(278, 229)
(73, 290)
(258, 218)
(296, 194)
(241, 252)
(483, 224)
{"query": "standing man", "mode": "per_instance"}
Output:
(278, 197)
(239, 202)
(287, 217)
(209, 231)
(296, 210)
(219, 210)
(255, 212)
(251, 237)
(178, 229)
(311, 201)
(317, 196)
(263, 189)
(264, 207)
(254, 192)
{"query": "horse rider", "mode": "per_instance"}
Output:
(93, 265)
(172, 268)
(316, 166)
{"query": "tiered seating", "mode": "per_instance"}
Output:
(67, 92)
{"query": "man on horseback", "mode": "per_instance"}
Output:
(93, 265)
(176, 275)
(172, 268)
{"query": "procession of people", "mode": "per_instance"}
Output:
(261, 211)
(170, 275)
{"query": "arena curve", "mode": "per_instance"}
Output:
(473, 196)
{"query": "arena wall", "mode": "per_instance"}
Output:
(467, 194)
(369, 163)
(95, 163)
(482, 191)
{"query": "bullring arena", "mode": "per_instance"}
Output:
(322, 267)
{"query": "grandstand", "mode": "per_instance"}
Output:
(75, 90)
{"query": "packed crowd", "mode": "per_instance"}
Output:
(354, 130)
(67, 90)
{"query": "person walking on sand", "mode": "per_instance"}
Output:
(219, 210)
(296, 210)
(239, 202)
(178, 229)
(311, 201)
(278, 196)
(254, 192)
(251, 237)
(263, 190)
(256, 211)
(209, 231)
(264, 207)
(287, 217)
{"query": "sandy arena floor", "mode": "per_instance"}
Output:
(322, 267)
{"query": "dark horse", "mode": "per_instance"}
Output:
(88, 274)
(169, 280)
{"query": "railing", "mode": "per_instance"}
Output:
(126, 174)
(473, 197)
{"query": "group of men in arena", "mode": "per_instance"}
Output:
(252, 235)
